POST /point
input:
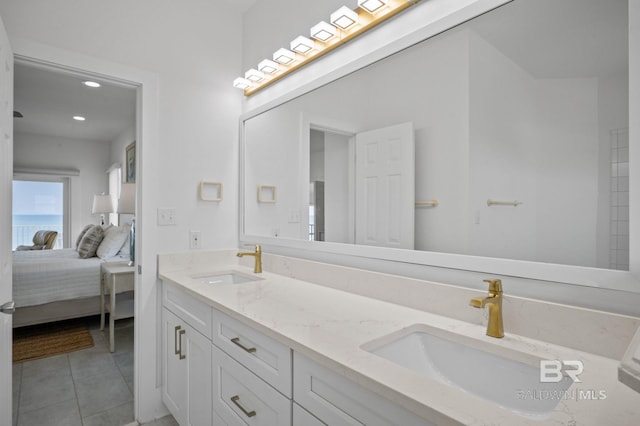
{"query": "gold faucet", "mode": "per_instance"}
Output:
(258, 255)
(494, 300)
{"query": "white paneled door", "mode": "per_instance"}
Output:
(385, 187)
(6, 177)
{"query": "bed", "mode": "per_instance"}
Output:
(53, 285)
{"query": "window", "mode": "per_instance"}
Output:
(39, 205)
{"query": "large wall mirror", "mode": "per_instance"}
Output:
(515, 126)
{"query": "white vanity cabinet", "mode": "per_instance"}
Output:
(337, 401)
(186, 364)
(218, 371)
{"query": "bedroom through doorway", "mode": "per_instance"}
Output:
(52, 144)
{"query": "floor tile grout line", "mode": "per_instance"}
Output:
(75, 390)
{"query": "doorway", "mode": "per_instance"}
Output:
(67, 155)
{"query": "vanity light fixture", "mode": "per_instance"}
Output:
(93, 84)
(79, 118)
(346, 24)
(268, 66)
(241, 83)
(302, 44)
(344, 18)
(254, 75)
(323, 31)
(371, 6)
(284, 56)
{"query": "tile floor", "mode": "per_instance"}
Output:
(91, 387)
(84, 388)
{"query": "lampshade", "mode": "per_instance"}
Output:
(127, 200)
(241, 83)
(302, 45)
(102, 204)
(254, 75)
(268, 66)
(284, 56)
(323, 31)
(344, 17)
(370, 6)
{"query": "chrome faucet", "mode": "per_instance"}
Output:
(494, 301)
(258, 256)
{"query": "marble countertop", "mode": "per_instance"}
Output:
(330, 326)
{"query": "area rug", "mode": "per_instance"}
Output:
(44, 340)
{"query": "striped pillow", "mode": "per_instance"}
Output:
(84, 231)
(90, 242)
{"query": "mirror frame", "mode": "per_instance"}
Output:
(444, 14)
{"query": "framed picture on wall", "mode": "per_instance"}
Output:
(130, 154)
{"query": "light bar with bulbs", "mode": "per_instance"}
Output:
(346, 24)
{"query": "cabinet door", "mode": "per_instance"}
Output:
(174, 385)
(186, 389)
(196, 350)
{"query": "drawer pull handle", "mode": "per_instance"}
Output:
(175, 340)
(236, 341)
(235, 400)
(180, 333)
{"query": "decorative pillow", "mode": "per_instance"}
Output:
(90, 242)
(84, 231)
(114, 239)
(125, 250)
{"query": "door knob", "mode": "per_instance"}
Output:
(8, 308)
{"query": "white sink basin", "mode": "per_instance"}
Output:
(226, 278)
(508, 378)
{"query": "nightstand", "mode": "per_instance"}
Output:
(116, 279)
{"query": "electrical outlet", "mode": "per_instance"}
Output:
(195, 240)
(167, 216)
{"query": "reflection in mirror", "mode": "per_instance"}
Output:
(500, 110)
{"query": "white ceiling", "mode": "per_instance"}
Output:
(48, 99)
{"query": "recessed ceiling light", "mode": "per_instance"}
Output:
(79, 118)
(91, 83)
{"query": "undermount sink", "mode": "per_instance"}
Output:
(226, 278)
(508, 378)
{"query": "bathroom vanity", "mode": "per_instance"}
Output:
(305, 343)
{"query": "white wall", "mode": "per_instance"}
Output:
(542, 134)
(91, 158)
(336, 188)
(187, 53)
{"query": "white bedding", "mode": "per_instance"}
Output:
(43, 276)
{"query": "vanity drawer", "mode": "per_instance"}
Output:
(340, 402)
(302, 417)
(194, 312)
(268, 359)
(241, 398)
